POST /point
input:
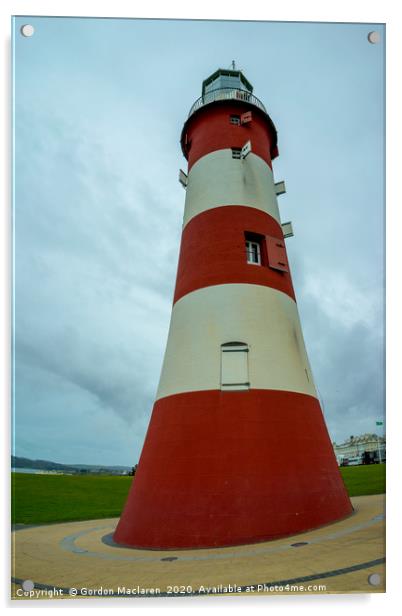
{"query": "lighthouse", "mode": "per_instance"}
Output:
(237, 450)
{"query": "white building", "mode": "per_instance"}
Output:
(355, 446)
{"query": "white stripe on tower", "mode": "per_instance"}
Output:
(265, 319)
(217, 179)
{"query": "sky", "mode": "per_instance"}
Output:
(98, 109)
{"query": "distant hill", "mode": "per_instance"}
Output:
(47, 465)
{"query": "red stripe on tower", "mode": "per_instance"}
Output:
(211, 129)
(215, 241)
(208, 474)
(237, 450)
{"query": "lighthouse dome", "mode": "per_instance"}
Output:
(226, 78)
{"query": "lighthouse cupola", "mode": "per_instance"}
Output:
(225, 79)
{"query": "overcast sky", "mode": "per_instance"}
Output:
(99, 106)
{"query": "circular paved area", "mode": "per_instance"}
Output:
(79, 559)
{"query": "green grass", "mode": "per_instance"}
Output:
(40, 499)
(366, 479)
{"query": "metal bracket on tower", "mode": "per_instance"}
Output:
(246, 149)
(287, 229)
(183, 179)
(280, 188)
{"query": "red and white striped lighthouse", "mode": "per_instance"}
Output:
(237, 450)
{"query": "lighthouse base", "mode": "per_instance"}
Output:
(227, 468)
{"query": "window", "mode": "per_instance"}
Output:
(235, 119)
(253, 252)
(234, 366)
(236, 153)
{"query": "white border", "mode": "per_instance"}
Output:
(287, 10)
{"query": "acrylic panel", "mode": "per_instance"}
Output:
(217, 492)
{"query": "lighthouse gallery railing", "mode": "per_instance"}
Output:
(226, 94)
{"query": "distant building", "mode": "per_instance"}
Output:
(356, 446)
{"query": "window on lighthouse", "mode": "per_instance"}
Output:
(253, 252)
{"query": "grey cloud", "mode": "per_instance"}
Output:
(347, 360)
(94, 276)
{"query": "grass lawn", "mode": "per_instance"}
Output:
(366, 479)
(40, 499)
